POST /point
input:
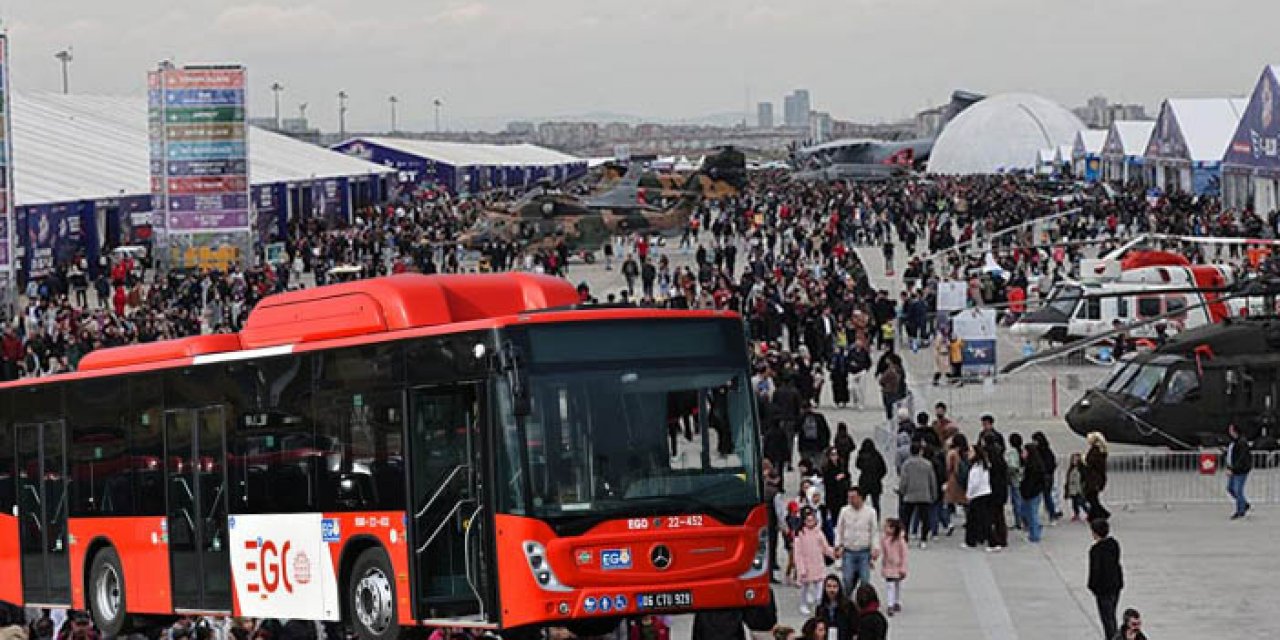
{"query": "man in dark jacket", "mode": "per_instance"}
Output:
(787, 406)
(1106, 578)
(1239, 464)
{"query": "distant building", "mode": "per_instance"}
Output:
(521, 128)
(819, 127)
(929, 122)
(1099, 113)
(764, 115)
(795, 109)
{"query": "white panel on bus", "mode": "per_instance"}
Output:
(281, 568)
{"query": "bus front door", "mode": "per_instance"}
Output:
(42, 510)
(448, 515)
(195, 470)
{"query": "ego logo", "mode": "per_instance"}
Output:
(271, 571)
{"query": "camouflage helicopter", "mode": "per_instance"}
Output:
(547, 216)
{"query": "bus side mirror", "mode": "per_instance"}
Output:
(517, 380)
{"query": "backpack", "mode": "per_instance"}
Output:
(962, 472)
(809, 427)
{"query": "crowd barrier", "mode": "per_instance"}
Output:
(1166, 478)
(1027, 395)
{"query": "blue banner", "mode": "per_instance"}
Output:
(182, 151)
(208, 167)
(204, 97)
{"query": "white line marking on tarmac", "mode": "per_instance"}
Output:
(984, 596)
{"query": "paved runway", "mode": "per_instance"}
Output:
(1190, 571)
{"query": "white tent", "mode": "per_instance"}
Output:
(69, 148)
(1002, 133)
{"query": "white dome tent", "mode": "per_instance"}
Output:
(1002, 133)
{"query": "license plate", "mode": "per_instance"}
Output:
(665, 600)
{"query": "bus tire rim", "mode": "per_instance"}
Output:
(108, 593)
(373, 601)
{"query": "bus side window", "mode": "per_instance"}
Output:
(358, 407)
(273, 452)
(7, 479)
(145, 422)
(100, 464)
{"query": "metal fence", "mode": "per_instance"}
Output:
(1165, 478)
(1027, 395)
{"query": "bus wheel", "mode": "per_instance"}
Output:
(372, 596)
(106, 593)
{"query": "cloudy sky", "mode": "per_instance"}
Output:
(491, 60)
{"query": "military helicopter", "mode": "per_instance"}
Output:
(546, 216)
(1182, 394)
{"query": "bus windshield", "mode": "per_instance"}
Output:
(637, 437)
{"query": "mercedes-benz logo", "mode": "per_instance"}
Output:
(660, 556)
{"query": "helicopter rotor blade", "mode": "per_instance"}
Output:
(1054, 352)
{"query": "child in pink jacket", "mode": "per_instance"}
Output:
(810, 550)
(893, 566)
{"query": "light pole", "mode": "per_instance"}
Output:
(65, 58)
(342, 114)
(276, 88)
(437, 103)
(393, 100)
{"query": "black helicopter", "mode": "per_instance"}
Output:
(1183, 393)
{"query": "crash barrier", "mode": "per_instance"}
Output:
(1165, 478)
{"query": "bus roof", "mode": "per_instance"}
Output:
(372, 310)
(360, 308)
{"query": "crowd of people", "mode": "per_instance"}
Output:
(783, 255)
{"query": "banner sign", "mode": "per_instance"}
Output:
(976, 328)
(200, 161)
(8, 221)
(1257, 140)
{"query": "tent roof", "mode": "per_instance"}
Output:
(1133, 135)
(83, 147)
(1002, 133)
(1207, 124)
(1091, 140)
(466, 154)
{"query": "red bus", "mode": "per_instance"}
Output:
(470, 450)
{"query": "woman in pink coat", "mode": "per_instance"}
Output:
(811, 550)
(893, 566)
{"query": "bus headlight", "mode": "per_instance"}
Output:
(536, 555)
(760, 562)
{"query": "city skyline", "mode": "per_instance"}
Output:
(499, 60)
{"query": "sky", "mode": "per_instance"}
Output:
(495, 60)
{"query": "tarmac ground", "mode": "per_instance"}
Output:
(1191, 571)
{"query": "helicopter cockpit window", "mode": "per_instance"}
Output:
(1181, 384)
(1064, 299)
(1122, 307)
(1175, 303)
(1144, 384)
(1124, 373)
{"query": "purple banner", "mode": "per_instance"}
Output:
(202, 203)
(1257, 141)
(207, 220)
(1167, 140)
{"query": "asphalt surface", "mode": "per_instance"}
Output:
(1189, 570)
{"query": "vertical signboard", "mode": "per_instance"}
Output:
(8, 222)
(200, 165)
